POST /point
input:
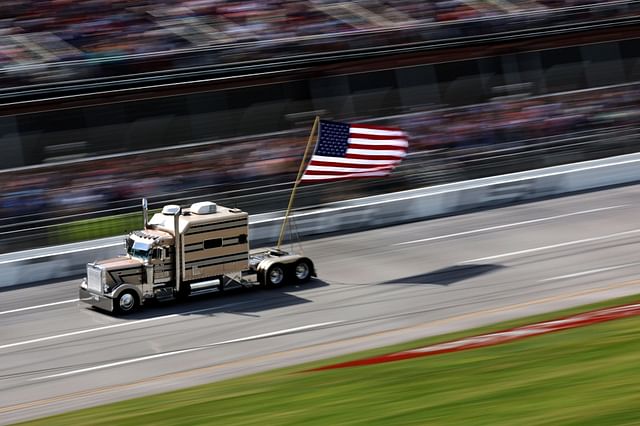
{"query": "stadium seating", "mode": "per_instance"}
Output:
(37, 32)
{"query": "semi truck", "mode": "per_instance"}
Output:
(182, 252)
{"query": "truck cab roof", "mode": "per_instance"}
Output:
(194, 218)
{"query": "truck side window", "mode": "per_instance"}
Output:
(242, 238)
(213, 243)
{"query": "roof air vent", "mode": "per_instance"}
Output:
(170, 210)
(204, 207)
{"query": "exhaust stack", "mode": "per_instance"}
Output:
(145, 213)
(178, 248)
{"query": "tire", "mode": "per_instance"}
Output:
(275, 276)
(126, 303)
(302, 271)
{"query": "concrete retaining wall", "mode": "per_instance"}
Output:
(358, 214)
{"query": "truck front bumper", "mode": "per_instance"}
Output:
(97, 300)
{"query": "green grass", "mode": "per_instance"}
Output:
(586, 375)
(91, 229)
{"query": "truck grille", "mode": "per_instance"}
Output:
(94, 278)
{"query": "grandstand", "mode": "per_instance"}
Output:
(49, 40)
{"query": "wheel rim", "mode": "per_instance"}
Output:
(302, 271)
(127, 302)
(276, 275)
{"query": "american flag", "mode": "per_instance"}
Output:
(348, 151)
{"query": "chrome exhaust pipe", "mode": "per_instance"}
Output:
(145, 213)
(178, 248)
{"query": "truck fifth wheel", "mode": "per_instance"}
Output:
(188, 251)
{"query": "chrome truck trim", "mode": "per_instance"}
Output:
(96, 277)
(145, 213)
(96, 300)
(178, 249)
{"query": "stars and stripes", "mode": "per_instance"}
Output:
(347, 151)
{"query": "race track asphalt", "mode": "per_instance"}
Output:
(374, 288)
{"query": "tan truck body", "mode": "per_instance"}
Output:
(187, 251)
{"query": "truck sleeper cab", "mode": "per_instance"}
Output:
(188, 251)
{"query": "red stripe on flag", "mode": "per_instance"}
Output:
(377, 147)
(369, 126)
(337, 173)
(349, 177)
(375, 137)
(355, 165)
(375, 157)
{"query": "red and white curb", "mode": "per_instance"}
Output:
(505, 336)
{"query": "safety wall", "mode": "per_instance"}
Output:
(68, 261)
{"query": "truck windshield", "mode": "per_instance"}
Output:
(141, 254)
(139, 250)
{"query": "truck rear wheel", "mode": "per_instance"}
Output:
(302, 271)
(126, 303)
(275, 275)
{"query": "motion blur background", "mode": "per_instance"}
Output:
(106, 101)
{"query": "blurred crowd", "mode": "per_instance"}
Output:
(502, 122)
(517, 120)
(34, 34)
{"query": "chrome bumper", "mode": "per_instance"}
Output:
(97, 300)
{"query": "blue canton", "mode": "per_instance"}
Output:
(334, 139)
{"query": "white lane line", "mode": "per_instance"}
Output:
(124, 324)
(509, 225)
(183, 351)
(276, 333)
(592, 271)
(116, 364)
(568, 243)
(28, 308)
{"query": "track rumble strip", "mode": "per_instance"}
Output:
(505, 336)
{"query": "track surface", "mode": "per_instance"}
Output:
(376, 288)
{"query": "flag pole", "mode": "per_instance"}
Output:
(295, 185)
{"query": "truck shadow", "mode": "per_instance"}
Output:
(449, 275)
(241, 301)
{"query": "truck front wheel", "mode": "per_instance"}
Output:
(126, 303)
(275, 275)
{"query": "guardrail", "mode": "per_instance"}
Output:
(33, 266)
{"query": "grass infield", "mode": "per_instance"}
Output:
(586, 375)
(90, 229)
(99, 227)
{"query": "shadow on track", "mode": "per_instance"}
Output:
(448, 275)
(240, 301)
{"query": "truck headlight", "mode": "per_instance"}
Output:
(106, 288)
(84, 284)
